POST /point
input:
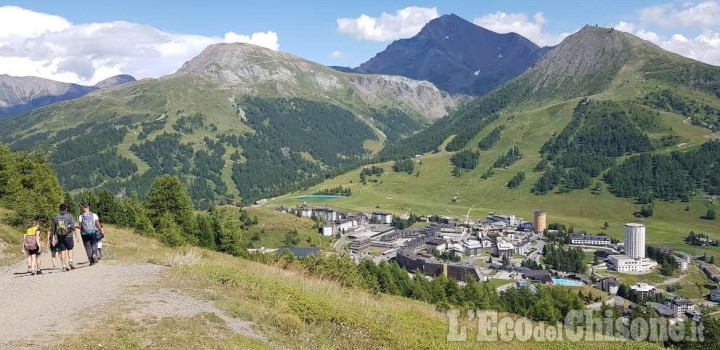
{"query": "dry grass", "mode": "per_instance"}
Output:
(192, 256)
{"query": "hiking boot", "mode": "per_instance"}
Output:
(72, 266)
(39, 272)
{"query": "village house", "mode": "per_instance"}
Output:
(328, 230)
(642, 290)
(282, 210)
(679, 306)
(504, 249)
(542, 276)
(472, 247)
(325, 214)
(382, 217)
(610, 284)
(304, 210)
(525, 284)
(523, 247)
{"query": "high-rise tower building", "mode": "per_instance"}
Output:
(635, 240)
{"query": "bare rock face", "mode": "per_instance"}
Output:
(250, 69)
(581, 57)
(422, 96)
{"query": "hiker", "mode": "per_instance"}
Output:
(64, 237)
(52, 248)
(100, 237)
(90, 229)
(31, 246)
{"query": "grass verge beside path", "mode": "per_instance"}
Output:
(292, 309)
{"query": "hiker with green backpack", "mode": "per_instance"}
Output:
(31, 247)
(90, 230)
(64, 237)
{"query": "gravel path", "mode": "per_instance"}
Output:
(56, 303)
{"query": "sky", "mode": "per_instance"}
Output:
(85, 41)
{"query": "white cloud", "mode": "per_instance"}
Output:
(704, 47)
(49, 46)
(267, 39)
(702, 14)
(405, 23)
(520, 23)
(336, 54)
(625, 26)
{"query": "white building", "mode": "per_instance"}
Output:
(624, 263)
(523, 248)
(682, 263)
(472, 247)
(598, 240)
(382, 217)
(345, 225)
(642, 289)
(680, 306)
(635, 240)
(328, 230)
(504, 249)
(634, 259)
(304, 210)
(325, 214)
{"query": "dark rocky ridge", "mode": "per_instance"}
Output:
(457, 56)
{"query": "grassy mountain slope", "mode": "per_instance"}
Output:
(598, 63)
(236, 122)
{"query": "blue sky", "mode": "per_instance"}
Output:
(311, 29)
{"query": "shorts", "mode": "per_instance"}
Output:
(65, 243)
(35, 251)
(53, 248)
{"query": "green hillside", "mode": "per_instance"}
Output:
(598, 139)
(232, 133)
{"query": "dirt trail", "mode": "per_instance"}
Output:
(36, 311)
(46, 306)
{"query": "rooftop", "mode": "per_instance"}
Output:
(642, 287)
(298, 252)
(634, 224)
(712, 269)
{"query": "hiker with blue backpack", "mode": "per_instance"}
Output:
(90, 230)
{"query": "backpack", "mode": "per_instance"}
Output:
(62, 226)
(30, 242)
(88, 224)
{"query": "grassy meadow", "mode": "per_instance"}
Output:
(430, 189)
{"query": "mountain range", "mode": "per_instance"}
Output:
(606, 128)
(237, 122)
(457, 56)
(22, 94)
(598, 126)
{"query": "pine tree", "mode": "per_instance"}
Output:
(169, 231)
(168, 195)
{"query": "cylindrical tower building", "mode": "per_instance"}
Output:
(540, 221)
(635, 240)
